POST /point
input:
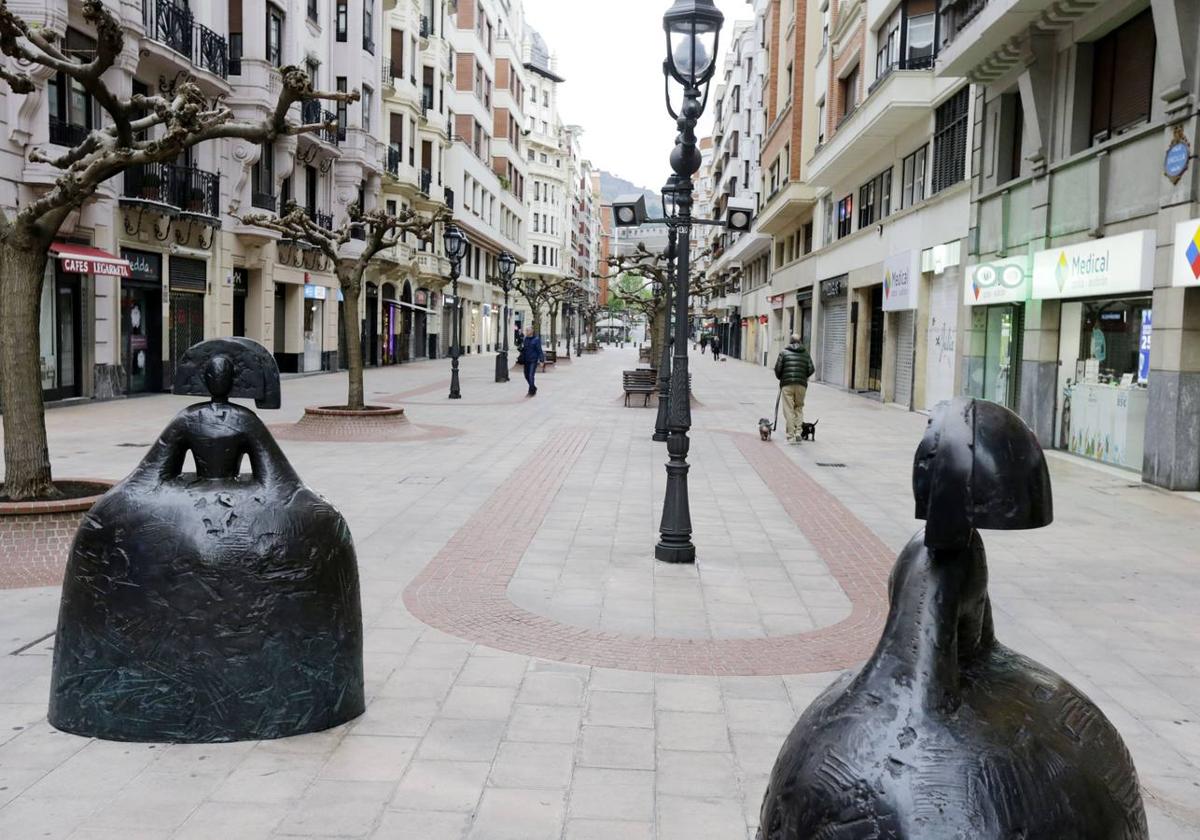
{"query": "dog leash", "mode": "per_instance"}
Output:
(778, 397)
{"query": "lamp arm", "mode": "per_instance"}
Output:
(667, 92)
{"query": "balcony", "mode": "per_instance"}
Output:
(923, 62)
(426, 181)
(786, 207)
(190, 189)
(174, 26)
(63, 133)
(426, 27)
(977, 32)
(895, 103)
(394, 158)
(321, 220)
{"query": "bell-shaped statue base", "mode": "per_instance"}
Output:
(944, 732)
(210, 606)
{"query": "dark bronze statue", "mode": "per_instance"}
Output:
(210, 606)
(945, 734)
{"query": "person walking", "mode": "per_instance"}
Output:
(793, 368)
(531, 356)
(715, 341)
(703, 342)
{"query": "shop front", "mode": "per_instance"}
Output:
(1104, 288)
(995, 293)
(63, 329)
(314, 327)
(141, 322)
(188, 285)
(901, 289)
(241, 289)
(804, 317)
(423, 347)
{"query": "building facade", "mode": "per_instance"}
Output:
(1081, 289)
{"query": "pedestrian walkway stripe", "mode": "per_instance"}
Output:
(464, 589)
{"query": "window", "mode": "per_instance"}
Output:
(71, 110)
(950, 142)
(848, 88)
(827, 227)
(845, 216)
(342, 24)
(341, 109)
(919, 49)
(312, 10)
(313, 68)
(262, 177)
(913, 177)
(1123, 78)
(875, 199)
(1009, 128)
(368, 98)
(274, 36)
(369, 26)
(821, 122)
(235, 53)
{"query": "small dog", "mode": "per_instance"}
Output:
(808, 431)
(764, 428)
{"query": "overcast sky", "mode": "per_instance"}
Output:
(611, 55)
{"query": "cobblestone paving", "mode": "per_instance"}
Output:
(545, 510)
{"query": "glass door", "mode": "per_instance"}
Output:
(1002, 354)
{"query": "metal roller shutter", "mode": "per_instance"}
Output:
(904, 357)
(833, 343)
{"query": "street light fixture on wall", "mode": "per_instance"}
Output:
(629, 210)
(693, 29)
(508, 268)
(455, 242)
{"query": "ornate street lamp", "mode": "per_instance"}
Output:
(508, 268)
(661, 431)
(693, 30)
(456, 246)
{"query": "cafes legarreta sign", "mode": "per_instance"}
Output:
(1110, 265)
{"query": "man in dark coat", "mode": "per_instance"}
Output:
(531, 356)
(715, 343)
(792, 369)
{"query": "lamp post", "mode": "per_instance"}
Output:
(456, 245)
(661, 431)
(508, 268)
(693, 30)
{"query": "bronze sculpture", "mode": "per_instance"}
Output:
(944, 732)
(210, 606)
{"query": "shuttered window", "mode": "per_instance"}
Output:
(950, 142)
(188, 275)
(1123, 77)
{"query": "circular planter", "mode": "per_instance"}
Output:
(36, 537)
(372, 424)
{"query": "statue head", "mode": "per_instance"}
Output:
(218, 376)
(979, 466)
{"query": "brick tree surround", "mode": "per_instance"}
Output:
(464, 589)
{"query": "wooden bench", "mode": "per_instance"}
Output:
(644, 354)
(551, 358)
(642, 381)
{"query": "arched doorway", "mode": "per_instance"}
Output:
(392, 318)
(370, 331)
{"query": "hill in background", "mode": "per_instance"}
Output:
(611, 187)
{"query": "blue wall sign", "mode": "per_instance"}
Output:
(1176, 161)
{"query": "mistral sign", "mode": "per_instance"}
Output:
(901, 281)
(1111, 265)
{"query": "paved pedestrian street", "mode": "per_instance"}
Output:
(534, 674)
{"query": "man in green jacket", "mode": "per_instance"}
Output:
(792, 369)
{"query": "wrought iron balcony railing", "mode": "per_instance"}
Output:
(426, 27)
(394, 156)
(426, 181)
(63, 133)
(321, 220)
(920, 62)
(427, 99)
(175, 26)
(186, 187)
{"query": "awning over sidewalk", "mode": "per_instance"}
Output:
(83, 259)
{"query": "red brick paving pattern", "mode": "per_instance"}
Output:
(464, 589)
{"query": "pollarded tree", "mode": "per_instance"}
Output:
(138, 130)
(381, 231)
(539, 292)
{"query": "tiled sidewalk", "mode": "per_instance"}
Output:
(561, 493)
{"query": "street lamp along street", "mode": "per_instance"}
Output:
(693, 29)
(455, 242)
(508, 268)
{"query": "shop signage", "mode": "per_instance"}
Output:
(777, 301)
(84, 259)
(448, 300)
(143, 265)
(1179, 153)
(1111, 265)
(1144, 347)
(487, 310)
(831, 288)
(998, 281)
(762, 319)
(1185, 262)
(901, 281)
(312, 292)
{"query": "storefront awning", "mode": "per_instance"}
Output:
(409, 306)
(82, 259)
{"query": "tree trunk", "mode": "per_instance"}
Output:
(554, 326)
(26, 452)
(354, 365)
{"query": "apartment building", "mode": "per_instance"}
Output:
(739, 260)
(1082, 279)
